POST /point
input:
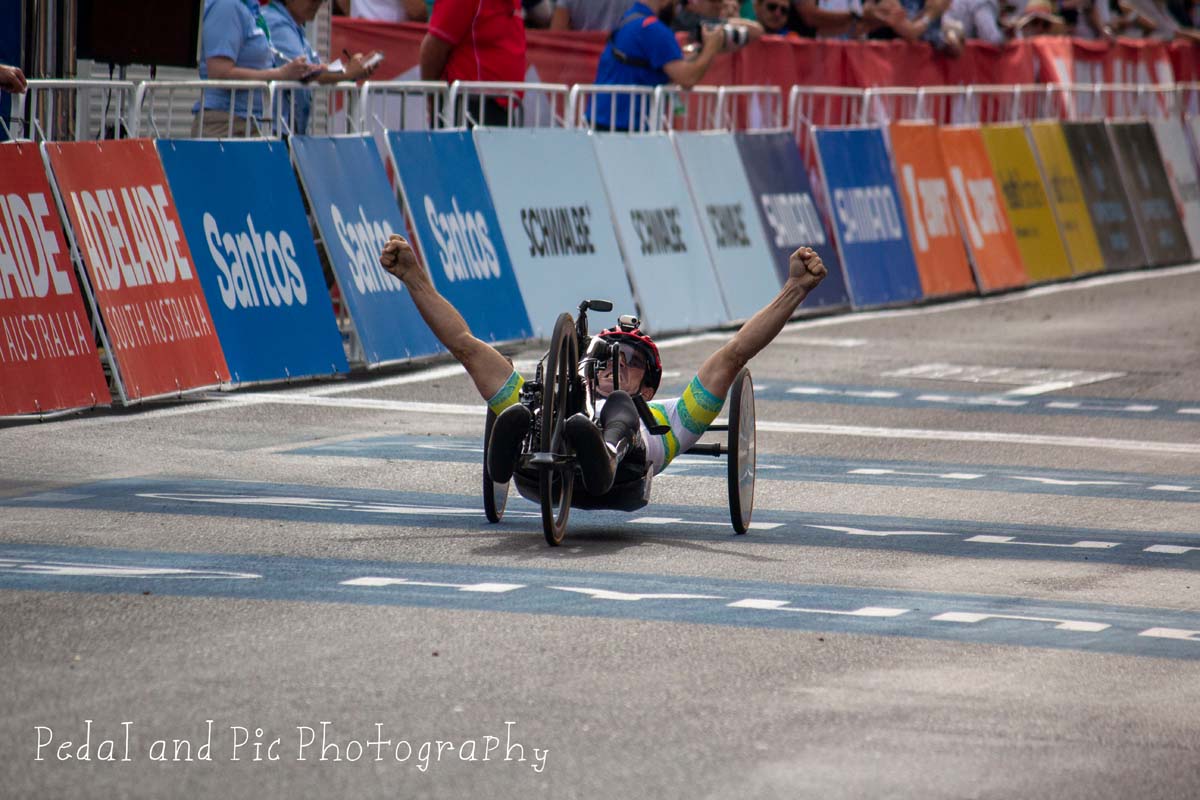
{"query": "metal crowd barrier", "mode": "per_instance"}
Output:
(679, 109)
(402, 106)
(520, 105)
(749, 108)
(157, 114)
(581, 106)
(72, 110)
(333, 108)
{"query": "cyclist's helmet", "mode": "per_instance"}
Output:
(627, 331)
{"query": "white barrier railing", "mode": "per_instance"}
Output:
(748, 108)
(402, 106)
(679, 109)
(57, 110)
(507, 105)
(582, 106)
(824, 106)
(157, 114)
(322, 109)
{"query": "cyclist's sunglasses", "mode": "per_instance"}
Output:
(633, 357)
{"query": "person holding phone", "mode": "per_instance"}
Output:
(285, 22)
(235, 45)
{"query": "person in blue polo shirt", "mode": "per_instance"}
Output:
(642, 51)
(285, 22)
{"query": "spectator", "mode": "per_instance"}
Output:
(538, 13)
(285, 21)
(1039, 19)
(841, 19)
(975, 19)
(699, 13)
(12, 79)
(389, 10)
(476, 40)
(1155, 20)
(642, 51)
(588, 15)
(236, 46)
(772, 15)
(1089, 19)
(915, 21)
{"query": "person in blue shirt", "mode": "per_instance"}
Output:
(235, 45)
(285, 22)
(642, 51)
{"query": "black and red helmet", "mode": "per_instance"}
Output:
(626, 331)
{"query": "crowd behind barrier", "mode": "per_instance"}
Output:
(183, 265)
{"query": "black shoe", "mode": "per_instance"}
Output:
(508, 432)
(597, 464)
(620, 422)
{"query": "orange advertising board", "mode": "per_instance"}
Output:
(928, 205)
(1026, 202)
(985, 225)
(1066, 197)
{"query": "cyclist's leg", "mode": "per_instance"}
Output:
(600, 448)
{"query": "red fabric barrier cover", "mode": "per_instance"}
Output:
(570, 57)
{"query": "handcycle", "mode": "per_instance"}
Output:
(547, 472)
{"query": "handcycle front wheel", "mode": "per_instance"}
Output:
(742, 456)
(556, 480)
(495, 494)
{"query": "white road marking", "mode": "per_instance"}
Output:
(870, 394)
(1170, 549)
(782, 605)
(1084, 544)
(950, 476)
(758, 526)
(486, 588)
(1060, 482)
(866, 532)
(608, 594)
(420, 376)
(1172, 633)
(1167, 487)
(84, 570)
(1060, 624)
(990, 437)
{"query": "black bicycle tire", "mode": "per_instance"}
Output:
(561, 361)
(741, 503)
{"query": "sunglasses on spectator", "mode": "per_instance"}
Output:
(775, 8)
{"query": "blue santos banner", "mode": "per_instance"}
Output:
(868, 220)
(672, 274)
(356, 211)
(555, 218)
(245, 224)
(789, 211)
(457, 229)
(735, 238)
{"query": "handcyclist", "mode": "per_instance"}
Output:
(600, 448)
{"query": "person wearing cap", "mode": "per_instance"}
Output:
(602, 444)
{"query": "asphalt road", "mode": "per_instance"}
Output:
(973, 574)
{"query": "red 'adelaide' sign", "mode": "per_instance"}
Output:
(48, 360)
(129, 235)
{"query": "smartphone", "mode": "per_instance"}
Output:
(375, 60)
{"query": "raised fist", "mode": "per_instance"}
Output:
(398, 257)
(806, 267)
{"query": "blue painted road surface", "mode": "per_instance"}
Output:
(708, 601)
(335, 506)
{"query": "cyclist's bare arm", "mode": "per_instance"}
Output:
(488, 368)
(805, 271)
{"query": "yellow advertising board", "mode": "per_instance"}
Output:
(1025, 200)
(1066, 196)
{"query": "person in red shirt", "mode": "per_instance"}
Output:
(476, 40)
